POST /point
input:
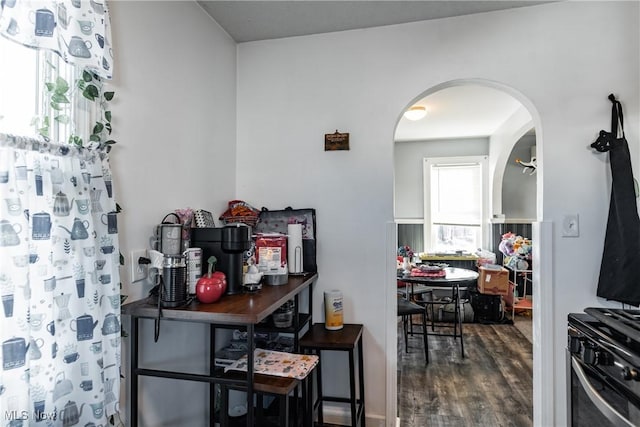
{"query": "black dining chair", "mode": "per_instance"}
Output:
(436, 310)
(406, 309)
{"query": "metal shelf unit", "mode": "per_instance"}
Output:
(527, 281)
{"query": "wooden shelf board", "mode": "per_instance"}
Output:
(523, 303)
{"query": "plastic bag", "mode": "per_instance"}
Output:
(485, 257)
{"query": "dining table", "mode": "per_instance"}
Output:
(444, 278)
(451, 280)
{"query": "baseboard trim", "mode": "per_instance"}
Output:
(334, 414)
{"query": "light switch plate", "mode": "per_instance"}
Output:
(570, 226)
(138, 271)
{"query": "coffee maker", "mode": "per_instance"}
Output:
(228, 245)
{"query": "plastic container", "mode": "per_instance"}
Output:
(333, 316)
(283, 316)
(283, 320)
(485, 257)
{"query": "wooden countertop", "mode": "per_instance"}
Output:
(230, 309)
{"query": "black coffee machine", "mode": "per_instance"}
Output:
(228, 245)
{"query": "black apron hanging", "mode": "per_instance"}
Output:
(620, 269)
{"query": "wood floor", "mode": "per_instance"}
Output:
(492, 386)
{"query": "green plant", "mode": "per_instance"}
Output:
(60, 95)
(93, 89)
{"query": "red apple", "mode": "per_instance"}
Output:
(210, 287)
(220, 275)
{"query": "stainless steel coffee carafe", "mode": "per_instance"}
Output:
(174, 281)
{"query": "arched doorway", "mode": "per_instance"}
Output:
(525, 119)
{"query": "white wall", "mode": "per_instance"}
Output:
(408, 158)
(518, 186)
(501, 144)
(174, 120)
(293, 91)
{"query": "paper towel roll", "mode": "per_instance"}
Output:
(294, 248)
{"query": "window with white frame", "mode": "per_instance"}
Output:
(455, 198)
(27, 108)
(18, 88)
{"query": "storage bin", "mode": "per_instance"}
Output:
(487, 308)
(446, 312)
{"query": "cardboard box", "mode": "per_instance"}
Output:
(493, 281)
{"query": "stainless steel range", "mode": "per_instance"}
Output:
(603, 368)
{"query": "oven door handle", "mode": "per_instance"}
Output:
(607, 410)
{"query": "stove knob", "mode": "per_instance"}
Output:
(605, 358)
(590, 355)
(630, 374)
(574, 345)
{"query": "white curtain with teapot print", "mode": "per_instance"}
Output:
(78, 30)
(60, 286)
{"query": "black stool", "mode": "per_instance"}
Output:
(279, 387)
(406, 309)
(318, 338)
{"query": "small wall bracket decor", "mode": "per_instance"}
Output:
(336, 141)
(530, 166)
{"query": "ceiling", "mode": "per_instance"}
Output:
(247, 21)
(464, 111)
(459, 112)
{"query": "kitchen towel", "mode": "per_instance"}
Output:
(278, 363)
(294, 248)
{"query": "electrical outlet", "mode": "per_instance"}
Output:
(138, 271)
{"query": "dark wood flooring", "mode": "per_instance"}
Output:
(492, 386)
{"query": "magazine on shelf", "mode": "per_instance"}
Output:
(270, 362)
